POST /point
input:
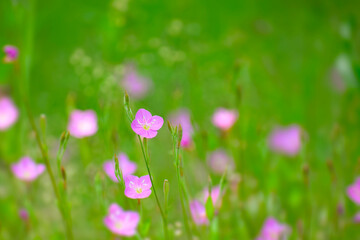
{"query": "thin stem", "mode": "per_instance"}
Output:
(153, 187)
(182, 190)
(45, 155)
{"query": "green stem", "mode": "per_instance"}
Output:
(182, 190)
(44, 153)
(145, 154)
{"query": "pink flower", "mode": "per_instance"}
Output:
(182, 117)
(27, 170)
(219, 161)
(8, 113)
(357, 218)
(273, 230)
(224, 118)
(286, 140)
(83, 123)
(126, 166)
(353, 191)
(23, 214)
(11, 53)
(137, 188)
(215, 196)
(136, 85)
(120, 222)
(198, 213)
(145, 124)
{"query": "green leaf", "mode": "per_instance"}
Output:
(209, 207)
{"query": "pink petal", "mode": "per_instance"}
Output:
(40, 168)
(131, 193)
(149, 134)
(115, 208)
(145, 182)
(156, 122)
(131, 181)
(144, 194)
(109, 168)
(143, 115)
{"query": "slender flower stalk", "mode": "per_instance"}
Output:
(144, 150)
(146, 159)
(45, 155)
(177, 136)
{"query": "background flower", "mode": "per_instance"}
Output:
(286, 140)
(126, 166)
(224, 118)
(122, 223)
(8, 113)
(83, 123)
(27, 170)
(11, 53)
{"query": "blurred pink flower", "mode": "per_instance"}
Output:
(122, 223)
(27, 170)
(8, 113)
(11, 53)
(215, 196)
(126, 166)
(273, 230)
(353, 191)
(83, 123)
(219, 161)
(224, 118)
(198, 213)
(136, 85)
(137, 188)
(145, 124)
(286, 140)
(182, 117)
(23, 214)
(357, 217)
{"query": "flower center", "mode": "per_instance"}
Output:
(138, 190)
(146, 127)
(118, 225)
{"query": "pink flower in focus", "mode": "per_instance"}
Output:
(273, 230)
(182, 117)
(120, 222)
(145, 124)
(219, 161)
(286, 140)
(224, 118)
(198, 213)
(137, 188)
(27, 170)
(11, 53)
(136, 85)
(353, 191)
(126, 166)
(215, 196)
(83, 123)
(8, 113)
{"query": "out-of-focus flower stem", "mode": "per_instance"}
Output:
(145, 154)
(44, 153)
(177, 135)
